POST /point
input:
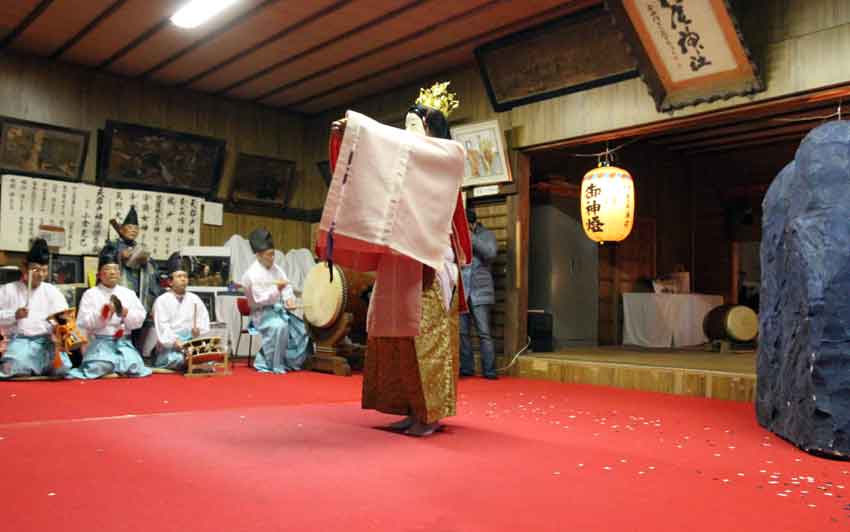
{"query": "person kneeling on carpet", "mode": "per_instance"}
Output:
(179, 316)
(25, 306)
(109, 313)
(270, 296)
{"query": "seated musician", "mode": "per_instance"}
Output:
(179, 316)
(24, 308)
(270, 296)
(109, 313)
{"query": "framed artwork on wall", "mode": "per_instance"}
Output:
(486, 160)
(261, 185)
(42, 150)
(67, 269)
(575, 53)
(141, 157)
(325, 170)
(687, 52)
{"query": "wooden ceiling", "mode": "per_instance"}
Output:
(306, 56)
(747, 146)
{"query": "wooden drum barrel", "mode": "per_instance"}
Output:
(735, 323)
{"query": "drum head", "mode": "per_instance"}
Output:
(742, 323)
(324, 300)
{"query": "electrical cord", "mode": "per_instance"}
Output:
(515, 357)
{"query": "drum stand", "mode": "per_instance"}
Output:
(727, 346)
(333, 356)
(206, 357)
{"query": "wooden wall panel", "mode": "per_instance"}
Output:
(795, 31)
(784, 36)
(65, 95)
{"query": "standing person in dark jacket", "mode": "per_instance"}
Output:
(478, 282)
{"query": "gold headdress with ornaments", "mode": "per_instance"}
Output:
(438, 97)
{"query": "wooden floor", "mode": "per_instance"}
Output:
(694, 372)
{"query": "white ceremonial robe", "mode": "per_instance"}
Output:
(110, 349)
(272, 322)
(89, 316)
(174, 317)
(389, 209)
(30, 349)
(261, 290)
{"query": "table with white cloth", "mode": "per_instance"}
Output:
(665, 320)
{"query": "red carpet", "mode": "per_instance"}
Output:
(295, 452)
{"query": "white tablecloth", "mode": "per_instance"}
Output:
(664, 320)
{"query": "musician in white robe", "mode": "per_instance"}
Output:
(109, 313)
(25, 306)
(271, 298)
(179, 316)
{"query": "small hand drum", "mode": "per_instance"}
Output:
(138, 258)
(67, 336)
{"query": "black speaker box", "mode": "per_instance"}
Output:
(540, 331)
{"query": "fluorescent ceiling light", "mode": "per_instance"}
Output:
(196, 12)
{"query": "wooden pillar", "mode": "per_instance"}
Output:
(516, 289)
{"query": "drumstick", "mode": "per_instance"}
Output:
(195, 317)
(29, 287)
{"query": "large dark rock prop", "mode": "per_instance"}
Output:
(804, 347)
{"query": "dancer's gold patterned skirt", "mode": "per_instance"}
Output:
(416, 375)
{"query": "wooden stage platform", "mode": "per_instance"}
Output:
(694, 372)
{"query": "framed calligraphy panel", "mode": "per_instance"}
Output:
(571, 54)
(688, 51)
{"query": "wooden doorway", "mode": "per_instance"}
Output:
(621, 267)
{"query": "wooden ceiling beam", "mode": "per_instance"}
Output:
(25, 23)
(749, 144)
(324, 44)
(739, 127)
(369, 53)
(762, 109)
(147, 34)
(207, 38)
(766, 133)
(265, 42)
(576, 6)
(95, 22)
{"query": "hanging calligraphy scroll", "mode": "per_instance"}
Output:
(167, 222)
(688, 51)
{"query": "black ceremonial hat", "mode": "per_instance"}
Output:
(108, 255)
(260, 240)
(38, 253)
(178, 263)
(132, 218)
